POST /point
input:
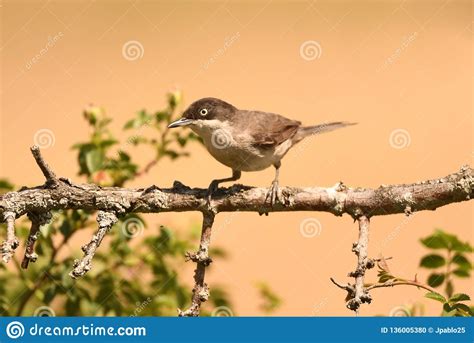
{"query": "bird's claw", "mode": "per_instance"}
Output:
(210, 191)
(273, 194)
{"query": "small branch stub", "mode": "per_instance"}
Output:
(37, 220)
(105, 220)
(45, 169)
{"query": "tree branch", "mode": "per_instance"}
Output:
(392, 199)
(111, 202)
(202, 259)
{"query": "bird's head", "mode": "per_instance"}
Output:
(204, 111)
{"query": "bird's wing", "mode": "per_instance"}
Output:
(268, 129)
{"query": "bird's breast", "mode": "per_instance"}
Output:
(233, 149)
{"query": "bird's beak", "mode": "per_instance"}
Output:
(180, 122)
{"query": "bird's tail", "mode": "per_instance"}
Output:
(306, 131)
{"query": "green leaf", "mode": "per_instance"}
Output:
(447, 308)
(449, 288)
(66, 228)
(464, 309)
(461, 261)
(435, 296)
(461, 272)
(129, 124)
(94, 160)
(432, 261)
(435, 241)
(4, 184)
(435, 280)
(459, 246)
(384, 276)
(459, 297)
(443, 240)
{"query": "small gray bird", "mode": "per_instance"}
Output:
(246, 140)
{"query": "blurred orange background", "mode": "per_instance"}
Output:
(402, 70)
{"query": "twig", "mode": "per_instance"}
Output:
(357, 294)
(47, 171)
(11, 243)
(360, 249)
(37, 220)
(401, 283)
(45, 274)
(348, 287)
(147, 167)
(202, 259)
(105, 220)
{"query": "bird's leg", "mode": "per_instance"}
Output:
(273, 191)
(215, 183)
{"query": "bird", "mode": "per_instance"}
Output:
(246, 140)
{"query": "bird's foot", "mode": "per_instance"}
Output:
(210, 191)
(273, 194)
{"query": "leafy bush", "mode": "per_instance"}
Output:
(129, 277)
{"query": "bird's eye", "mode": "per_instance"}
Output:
(203, 111)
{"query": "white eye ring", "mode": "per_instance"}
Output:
(203, 111)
